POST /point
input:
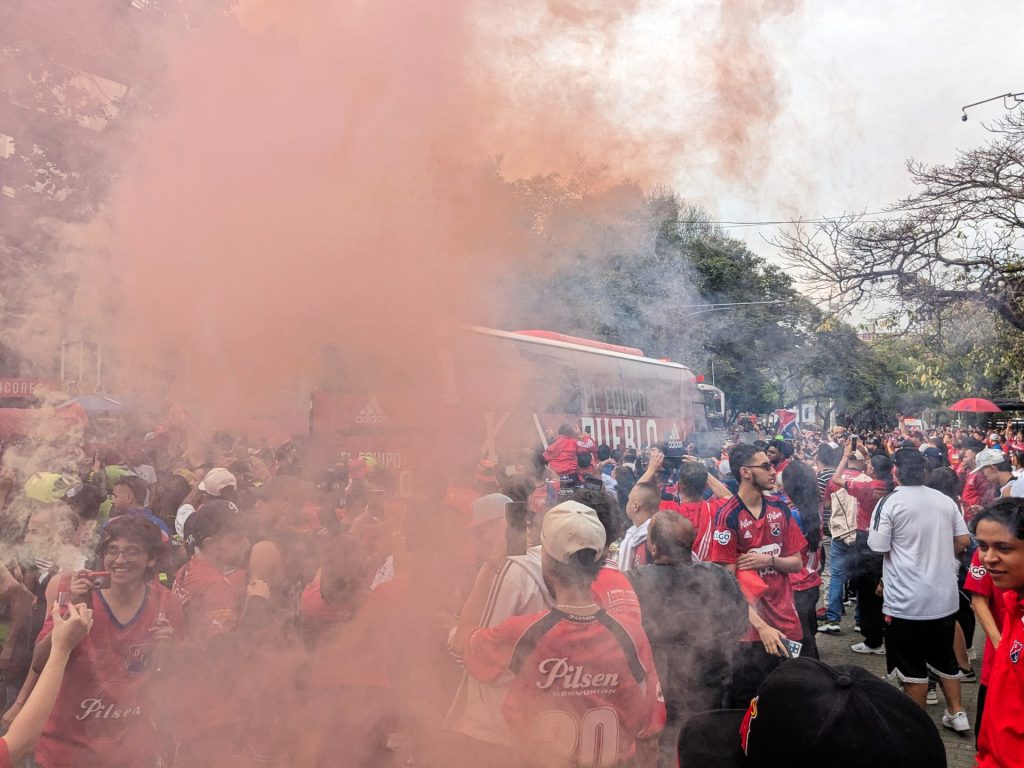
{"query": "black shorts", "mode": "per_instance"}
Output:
(912, 648)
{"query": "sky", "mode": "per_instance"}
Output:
(833, 97)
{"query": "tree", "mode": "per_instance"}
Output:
(640, 270)
(956, 241)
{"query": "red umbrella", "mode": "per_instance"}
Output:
(975, 405)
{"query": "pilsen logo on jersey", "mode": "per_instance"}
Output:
(1015, 650)
(564, 679)
(111, 711)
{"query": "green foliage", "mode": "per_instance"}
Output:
(644, 270)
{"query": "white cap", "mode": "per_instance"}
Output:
(216, 480)
(989, 457)
(570, 527)
(488, 508)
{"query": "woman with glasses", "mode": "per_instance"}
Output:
(104, 715)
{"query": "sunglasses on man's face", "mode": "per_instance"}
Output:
(765, 466)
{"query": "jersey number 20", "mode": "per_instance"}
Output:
(595, 736)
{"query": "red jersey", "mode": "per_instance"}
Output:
(775, 532)
(867, 493)
(561, 455)
(1001, 741)
(613, 592)
(979, 582)
(212, 598)
(978, 492)
(586, 444)
(104, 714)
(212, 601)
(585, 688)
(701, 515)
(5, 755)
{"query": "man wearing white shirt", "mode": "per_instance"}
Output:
(920, 532)
(643, 502)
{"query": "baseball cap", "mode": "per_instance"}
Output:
(988, 458)
(839, 716)
(570, 527)
(488, 508)
(214, 517)
(216, 480)
(908, 457)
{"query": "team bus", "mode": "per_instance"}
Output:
(495, 393)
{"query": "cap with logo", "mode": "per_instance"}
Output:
(214, 517)
(807, 713)
(570, 527)
(216, 480)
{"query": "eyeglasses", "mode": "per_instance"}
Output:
(766, 466)
(130, 554)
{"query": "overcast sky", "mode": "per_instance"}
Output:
(867, 85)
(858, 87)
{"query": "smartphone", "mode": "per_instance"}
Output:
(517, 514)
(98, 579)
(853, 443)
(793, 648)
(593, 483)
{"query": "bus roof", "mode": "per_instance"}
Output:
(609, 350)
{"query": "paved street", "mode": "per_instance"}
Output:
(835, 649)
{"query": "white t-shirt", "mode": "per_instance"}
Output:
(517, 590)
(914, 528)
(1017, 487)
(631, 541)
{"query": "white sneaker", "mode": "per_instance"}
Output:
(829, 628)
(863, 648)
(932, 697)
(957, 722)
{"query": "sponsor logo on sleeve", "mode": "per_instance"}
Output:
(723, 537)
(1015, 650)
(978, 572)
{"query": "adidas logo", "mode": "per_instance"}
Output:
(371, 413)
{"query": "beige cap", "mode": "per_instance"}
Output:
(216, 480)
(570, 527)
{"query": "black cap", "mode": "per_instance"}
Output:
(214, 517)
(909, 458)
(807, 714)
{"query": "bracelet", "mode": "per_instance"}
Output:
(773, 559)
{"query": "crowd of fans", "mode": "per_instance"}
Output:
(233, 604)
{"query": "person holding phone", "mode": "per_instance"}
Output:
(757, 538)
(104, 716)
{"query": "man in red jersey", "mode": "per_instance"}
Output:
(216, 600)
(584, 687)
(755, 532)
(694, 479)
(999, 530)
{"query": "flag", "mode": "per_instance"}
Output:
(789, 426)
